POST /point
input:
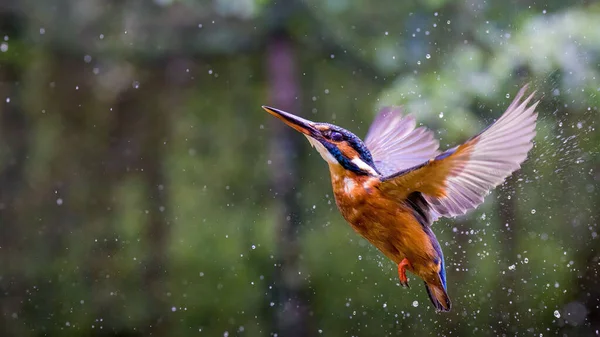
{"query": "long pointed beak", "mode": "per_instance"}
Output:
(297, 123)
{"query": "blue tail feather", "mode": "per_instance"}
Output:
(438, 250)
(442, 268)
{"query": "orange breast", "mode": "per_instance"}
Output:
(387, 224)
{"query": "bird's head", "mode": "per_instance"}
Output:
(336, 145)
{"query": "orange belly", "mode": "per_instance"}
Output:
(387, 224)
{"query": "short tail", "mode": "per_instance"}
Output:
(438, 296)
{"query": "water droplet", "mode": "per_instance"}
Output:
(556, 314)
(441, 115)
(428, 56)
(415, 304)
(385, 305)
(533, 211)
(59, 201)
(507, 95)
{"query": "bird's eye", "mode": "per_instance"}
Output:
(336, 136)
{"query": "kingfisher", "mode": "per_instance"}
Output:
(392, 186)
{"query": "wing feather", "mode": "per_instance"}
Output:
(396, 144)
(457, 180)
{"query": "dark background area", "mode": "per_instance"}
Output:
(143, 191)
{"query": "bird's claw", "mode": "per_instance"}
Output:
(402, 266)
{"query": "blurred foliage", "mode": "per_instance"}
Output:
(136, 191)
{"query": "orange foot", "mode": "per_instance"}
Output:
(402, 272)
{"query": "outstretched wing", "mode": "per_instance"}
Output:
(395, 144)
(457, 180)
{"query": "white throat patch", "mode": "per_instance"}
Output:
(322, 150)
(331, 159)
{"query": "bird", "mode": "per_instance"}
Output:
(392, 186)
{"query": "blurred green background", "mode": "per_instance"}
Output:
(143, 191)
